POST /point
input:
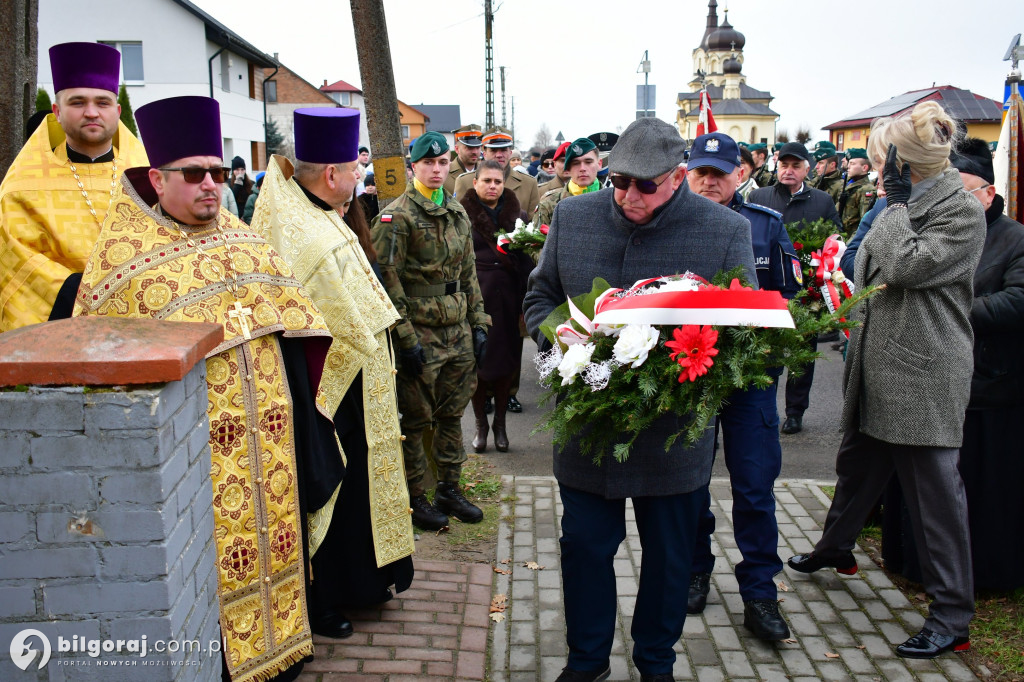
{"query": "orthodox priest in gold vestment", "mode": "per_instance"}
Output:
(299, 211)
(168, 251)
(55, 195)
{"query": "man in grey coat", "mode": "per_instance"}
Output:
(649, 224)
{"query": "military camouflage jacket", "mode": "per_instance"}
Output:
(546, 209)
(831, 184)
(426, 257)
(856, 199)
(763, 176)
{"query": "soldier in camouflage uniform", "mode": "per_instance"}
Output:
(762, 175)
(425, 247)
(859, 194)
(828, 178)
(583, 162)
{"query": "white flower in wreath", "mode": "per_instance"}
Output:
(635, 342)
(574, 361)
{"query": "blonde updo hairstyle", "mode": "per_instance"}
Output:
(923, 137)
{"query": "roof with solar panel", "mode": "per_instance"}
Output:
(962, 105)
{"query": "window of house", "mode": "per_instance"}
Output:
(839, 142)
(346, 99)
(405, 132)
(856, 135)
(270, 91)
(132, 71)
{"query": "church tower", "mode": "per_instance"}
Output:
(740, 111)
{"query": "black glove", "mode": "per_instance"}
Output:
(479, 343)
(896, 181)
(412, 359)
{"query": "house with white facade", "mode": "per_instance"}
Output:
(175, 49)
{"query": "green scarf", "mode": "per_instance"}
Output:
(435, 195)
(576, 190)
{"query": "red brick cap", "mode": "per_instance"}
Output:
(104, 351)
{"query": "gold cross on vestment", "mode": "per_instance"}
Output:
(385, 469)
(239, 315)
(379, 389)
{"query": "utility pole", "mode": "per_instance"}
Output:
(488, 66)
(378, 79)
(19, 34)
(513, 128)
(503, 120)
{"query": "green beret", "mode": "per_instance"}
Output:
(856, 153)
(428, 145)
(744, 145)
(822, 153)
(777, 146)
(824, 144)
(758, 147)
(578, 148)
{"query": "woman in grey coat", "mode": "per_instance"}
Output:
(908, 371)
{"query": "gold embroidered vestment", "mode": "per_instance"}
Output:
(46, 229)
(326, 257)
(147, 266)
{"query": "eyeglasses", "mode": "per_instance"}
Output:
(976, 189)
(643, 186)
(196, 174)
(548, 164)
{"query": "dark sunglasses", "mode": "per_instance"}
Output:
(548, 164)
(643, 186)
(196, 174)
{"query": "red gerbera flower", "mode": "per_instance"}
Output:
(544, 228)
(693, 346)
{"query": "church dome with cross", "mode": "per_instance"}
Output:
(741, 111)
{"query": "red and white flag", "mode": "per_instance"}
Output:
(705, 121)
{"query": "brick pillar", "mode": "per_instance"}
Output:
(106, 520)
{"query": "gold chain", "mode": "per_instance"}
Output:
(229, 267)
(85, 194)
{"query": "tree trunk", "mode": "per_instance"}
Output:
(20, 37)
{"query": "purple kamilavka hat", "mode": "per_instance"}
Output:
(85, 65)
(326, 135)
(179, 127)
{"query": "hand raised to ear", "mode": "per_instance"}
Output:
(895, 179)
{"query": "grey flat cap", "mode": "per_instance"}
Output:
(648, 148)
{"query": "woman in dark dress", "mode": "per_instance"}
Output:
(503, 276)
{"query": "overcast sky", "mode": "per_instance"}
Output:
(572, 65)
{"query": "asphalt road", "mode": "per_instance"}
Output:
(809, 454)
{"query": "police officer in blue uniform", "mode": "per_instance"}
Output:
(749, 420)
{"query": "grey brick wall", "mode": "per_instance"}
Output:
(106, 528)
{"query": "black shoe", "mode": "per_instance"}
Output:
(762, 617)
(450, 500)
(928, 644)
(700, 585)
(809, 563)
(335, 626)
(570, 675)
(514, 405)
(660, 677)
(489, 405)
(425, 516)
(793, 425)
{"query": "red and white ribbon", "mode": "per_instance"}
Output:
(503, 241)
(732, 307)
(828, 276)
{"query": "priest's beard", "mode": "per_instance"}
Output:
(204, 213)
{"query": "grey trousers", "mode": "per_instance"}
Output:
(937, 504)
